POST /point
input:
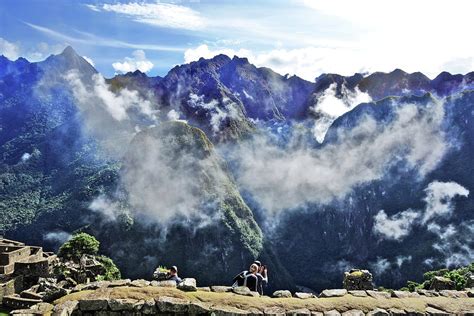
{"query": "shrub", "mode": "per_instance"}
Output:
(111, 270)
(79, 245)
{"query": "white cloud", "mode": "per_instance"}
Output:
(42, 50)
(89, 60)
(400, 260)
(158, 14)
(109, 115)
(131, 64)
(25, 157)
(9, 49)
(283, 179)
(217, 114)
(193, 54)
(58, 237)
(454, 244)
(91, 39)
(380, 266)
(116, 104)
(329, 107)
(439, 196)
(306, 63)
(396, 226)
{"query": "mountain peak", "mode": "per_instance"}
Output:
(69, 51)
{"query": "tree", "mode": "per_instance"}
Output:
(79, 245)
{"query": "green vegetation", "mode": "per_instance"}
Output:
(84, 244)
(111, 270)
(458, 276)
(79, 245)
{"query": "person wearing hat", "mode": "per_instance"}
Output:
(173, 275)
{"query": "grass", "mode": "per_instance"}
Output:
(230, 300)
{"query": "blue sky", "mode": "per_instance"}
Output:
(303, 37)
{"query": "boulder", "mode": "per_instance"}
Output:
(242, 290)
(123, 304)
(53, 293)
(379, 294)
(358, 293)
(274, 311)
(397, 312)
(378, 312)
(441, 283)
(427, 293)
(160, 274)
(91, 304)
(357, 279)
(221, 289)
(65, 309)
(148, 307)
(199, 308)
(304, 296)
(470, 281)
(298, 312)
(204, 288)
(434, 311)
(413, 312)
(117, 283)
(140, 283)
(404, 294)
(333, 293)
(282, 293)
(453, 294)
(470, 292)
(353, 312)
(227, 311)
(332, 312)
(167, 283)
(166, 304)
(188, 285)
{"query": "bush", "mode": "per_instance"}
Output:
(79, 245)
(111, 270)
(458, 276)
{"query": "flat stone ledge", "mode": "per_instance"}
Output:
(333, 293)
(379, 294)
(358, 293)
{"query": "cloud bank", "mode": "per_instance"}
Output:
(329, 107)
(131, 64)
(280, 179)
(438, 199)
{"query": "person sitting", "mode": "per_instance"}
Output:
(173, 275)
(262, 276)
(248, 278)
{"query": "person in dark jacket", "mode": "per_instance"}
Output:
(248, 278)
(173, 275)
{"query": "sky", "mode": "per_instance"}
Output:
(302, 37)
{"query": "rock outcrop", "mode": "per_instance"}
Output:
(357, 279)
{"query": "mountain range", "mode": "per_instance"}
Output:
(220, 162)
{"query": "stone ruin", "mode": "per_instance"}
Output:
(20, 267)
(357, 279)
(29, 276)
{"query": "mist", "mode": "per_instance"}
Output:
(279, 179)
